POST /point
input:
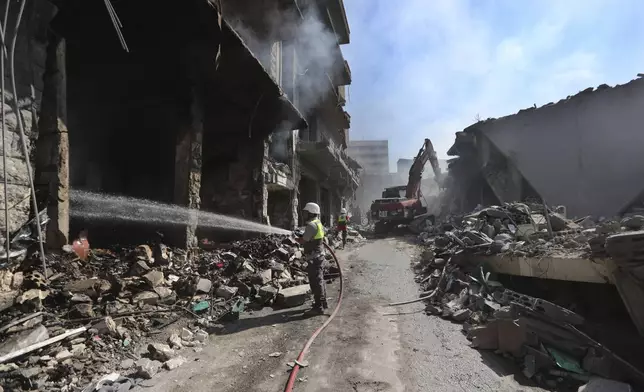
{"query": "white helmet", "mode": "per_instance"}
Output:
(343, 210)
(312, 208)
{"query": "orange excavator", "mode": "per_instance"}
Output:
(399, 205)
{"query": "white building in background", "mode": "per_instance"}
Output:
(372, 155)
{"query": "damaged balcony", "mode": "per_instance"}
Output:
(337, 19)
(278, 176)
(328, 159)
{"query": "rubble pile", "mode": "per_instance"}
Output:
(525, 230)
(546, 340)
(104, 312)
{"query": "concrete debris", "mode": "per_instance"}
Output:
(293, 296)
(127, 363)
(63, 355)
(155, 278)
(204, 286)
(226, 292)
(106, 326)
(147, 368)
(24, 339)
(201, 336)
(521, 230)
(174, 363)
(175, 341)
(127, 296)
(161, 352)
(146, 297)
(545, 339)
(187, 335)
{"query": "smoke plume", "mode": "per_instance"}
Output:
(309, 49)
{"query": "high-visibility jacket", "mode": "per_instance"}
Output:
(315, 244)
(319, 235)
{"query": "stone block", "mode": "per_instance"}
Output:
(283, 254)
(24, 339)
(91, 287)
(147, 368)
(204, 286)
(161, 352)
(293, 296)
(146, 297)
(155, 278)
(265, 276)
(187, 335)
(174, 363)
(226, 292)
(267, 292)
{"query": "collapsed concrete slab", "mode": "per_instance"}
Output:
(293, 296)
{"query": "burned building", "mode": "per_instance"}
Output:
(583, 152)
(299, 43)
(201, 104)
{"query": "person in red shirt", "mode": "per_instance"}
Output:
(341, 227)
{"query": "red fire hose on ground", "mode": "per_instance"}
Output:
(305, 349)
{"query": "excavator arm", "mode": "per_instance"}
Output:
(426, 153)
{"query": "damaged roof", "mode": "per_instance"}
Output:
(586, 93)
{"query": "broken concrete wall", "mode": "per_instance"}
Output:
(583, 152)
(500, 172)
(30, 58)
(279, 208)
(232, 181)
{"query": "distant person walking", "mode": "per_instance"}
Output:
(341, 227)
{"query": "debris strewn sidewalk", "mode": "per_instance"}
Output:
(546, 340)
(101, 319)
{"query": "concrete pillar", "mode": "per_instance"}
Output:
(187, 173)
(257, 184)
(295, 172)
(52, 147)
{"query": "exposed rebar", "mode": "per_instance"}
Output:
(23, 137)
(4, 134)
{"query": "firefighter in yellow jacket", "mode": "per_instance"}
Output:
(313, 242)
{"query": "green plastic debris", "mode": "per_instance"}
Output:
(565, 361)
(238, 306)
(200, 306)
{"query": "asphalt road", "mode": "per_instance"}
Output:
(369, 347)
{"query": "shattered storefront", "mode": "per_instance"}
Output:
(176, 110)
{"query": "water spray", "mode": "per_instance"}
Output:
(97, 206)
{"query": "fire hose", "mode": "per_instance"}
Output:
(307, 345)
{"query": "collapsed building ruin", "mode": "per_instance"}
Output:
(216, 105)
(582, 155)
(582, 152)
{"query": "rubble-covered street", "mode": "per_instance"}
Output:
(368, 347)
(108, 319)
